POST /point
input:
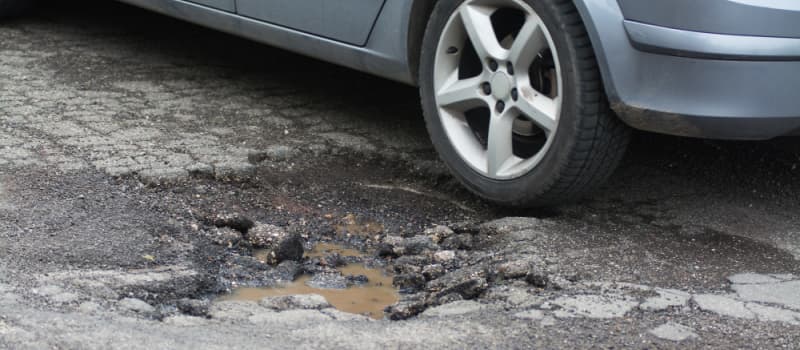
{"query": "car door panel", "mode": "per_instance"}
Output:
(225, 5)
(349, 21)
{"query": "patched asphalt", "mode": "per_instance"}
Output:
(123, 134)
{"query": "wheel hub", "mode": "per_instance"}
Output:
(501, 86)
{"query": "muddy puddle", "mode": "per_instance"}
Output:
(369, 298)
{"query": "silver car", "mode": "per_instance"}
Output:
(529, 102)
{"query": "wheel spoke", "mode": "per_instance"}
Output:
(529, 42)
(460, 94)
(478, 24)
(500, 149)
(539, 108)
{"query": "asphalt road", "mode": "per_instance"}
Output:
(124, 134)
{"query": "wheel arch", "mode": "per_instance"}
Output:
(421, 11)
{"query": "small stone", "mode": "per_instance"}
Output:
(439, 233)
(135, 305)
(433, 271)
(193, 307)
(289, 249)
(674, 332)
(444, 256)
(537, 279)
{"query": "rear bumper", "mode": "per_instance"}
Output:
(697, 84)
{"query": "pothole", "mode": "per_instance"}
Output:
(353, 288)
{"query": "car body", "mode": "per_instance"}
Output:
(727, 69)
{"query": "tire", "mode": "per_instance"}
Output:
(580, 145)
(13, 8)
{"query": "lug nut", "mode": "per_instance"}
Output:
(493, 65)
(452, 50)
(501, 106)
(487, 88)
(510, 68)
(514, 94)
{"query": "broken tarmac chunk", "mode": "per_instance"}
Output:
(193, 307)
(288, 249)
(467, 282)
(406, 309)
(235, 221)
(409, 282)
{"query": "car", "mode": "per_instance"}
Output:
(532, 102)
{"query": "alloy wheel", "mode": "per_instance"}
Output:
(498, 87)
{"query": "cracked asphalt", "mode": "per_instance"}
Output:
(122, 131)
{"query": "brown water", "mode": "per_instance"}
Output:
(369, 299)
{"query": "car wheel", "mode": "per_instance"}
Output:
(514, 102)
(11, 8)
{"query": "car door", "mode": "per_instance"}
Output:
(226, 5)
(349, 21)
